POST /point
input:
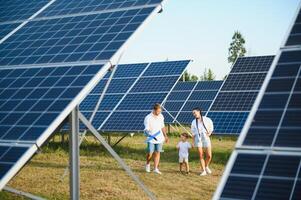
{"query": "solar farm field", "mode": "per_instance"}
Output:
(42, 175)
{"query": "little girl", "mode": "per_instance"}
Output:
(183, 147)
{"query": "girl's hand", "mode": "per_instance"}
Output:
(209, 134)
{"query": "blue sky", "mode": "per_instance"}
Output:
(201, 30)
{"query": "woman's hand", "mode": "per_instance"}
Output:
(209, 134)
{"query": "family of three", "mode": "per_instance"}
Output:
(201, 129)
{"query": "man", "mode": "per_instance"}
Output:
(156, 135)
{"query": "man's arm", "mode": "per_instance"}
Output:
(165, 134)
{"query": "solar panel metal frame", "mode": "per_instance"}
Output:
(238, 146)
(83, 93)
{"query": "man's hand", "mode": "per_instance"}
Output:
(166, 139)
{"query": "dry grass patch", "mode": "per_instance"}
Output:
(102, 178)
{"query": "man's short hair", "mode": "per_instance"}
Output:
(156, 106)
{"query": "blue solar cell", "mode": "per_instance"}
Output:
(209, 85)
(129, 70)
(173, 106)
(203, 95)
(9, 155)
(71, 39)
(109, 102)
(66, 7)
(19, 9)
(234, 101)
(178, 96)
(253, 64)
(190, 105)
(98, 89)
(99, 118)
(169, 118)
(7, 28)
(156, 84)
(184, 86)
(164, 68)
(228, 122)
(240, 82)
(89, 103)
(126, 121)
(141, 101)
(186, 117)
(120, 85)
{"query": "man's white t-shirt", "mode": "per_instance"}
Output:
(184, 149)
(154, 124)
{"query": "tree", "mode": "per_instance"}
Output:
(208, 75)
(237, 47)
(189, 77)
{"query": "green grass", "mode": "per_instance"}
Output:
(102, 178)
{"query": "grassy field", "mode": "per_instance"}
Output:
(102, 178)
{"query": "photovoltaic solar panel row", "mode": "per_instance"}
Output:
(19, 10)
(236, 97)
(152, 86)
(188, 95)
(39, 79)
(71, 39)
(267, 163)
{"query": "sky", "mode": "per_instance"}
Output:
(201, 30)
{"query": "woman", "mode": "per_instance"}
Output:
(201, 128)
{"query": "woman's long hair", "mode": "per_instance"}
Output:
(200, 111)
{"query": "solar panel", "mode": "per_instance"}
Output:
(72, 38)
(257, 175)
(236, 97)
(266, 163)
(19, 10)
(152, 86)
(67, 7)
(7, 28)
(188, 95)
(39, 82)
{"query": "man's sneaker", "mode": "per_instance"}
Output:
(147, 168)
(157, 171)
(208, 170)
(204, 173)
